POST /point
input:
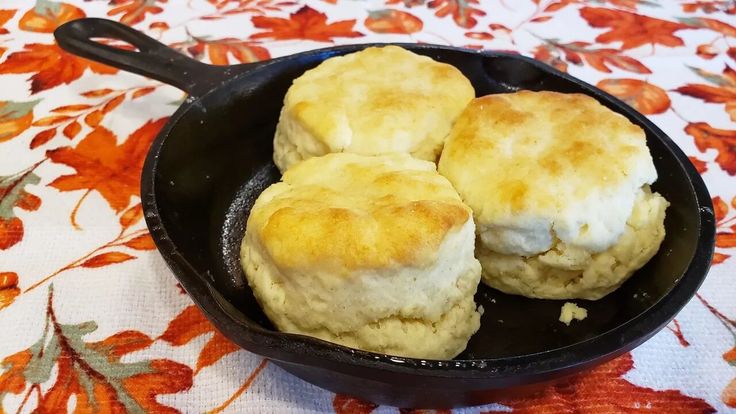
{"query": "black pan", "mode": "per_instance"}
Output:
(213, 158)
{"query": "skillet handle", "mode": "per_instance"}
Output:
(152, 59)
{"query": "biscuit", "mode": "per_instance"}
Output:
(376, 101)
(372, 252)
(554, 176)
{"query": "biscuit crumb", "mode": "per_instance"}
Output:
(572, 311)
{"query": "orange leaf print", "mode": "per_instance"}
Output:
(122, 343)
(15, 118)
(243, 52)
(722, 89)
(307, 23)
(706, 51)
(72, 129)
(462, 13)
(131, 216)
(105, 259)
(393, 21)
(50, 66)
(104, 166)
(134, 11)
(51, 120)
(8, 290)
(643, 96)
(344, 404)
(47, 15)
(14, 195)
(604, 390)
(724, 141)
(579, 52)
(12, 380)
(142, 242)
(700, 165)
(711, 24)
(42, 138)
(191, 323)
(729, 394)
(96, 93)
(143, 92)
(719, 258)
(720, 208)
(90, 376)
(632, 29)
(71, 108)
(5, 15)
(214, 350)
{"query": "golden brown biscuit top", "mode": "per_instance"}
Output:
(535, 151)
(348, 212)
(378, 100)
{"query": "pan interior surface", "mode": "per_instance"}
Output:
(217, 159)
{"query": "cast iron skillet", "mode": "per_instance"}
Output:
(213, 158)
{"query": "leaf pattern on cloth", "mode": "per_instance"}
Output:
(643, 96)
(91, 373)
(104, 166)
(50, 66)
(190, 324)
(604, 390)
(66, 123)
(306, 23)
(631, 29)
(47, 15)
(13, 195)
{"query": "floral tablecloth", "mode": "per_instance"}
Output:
(91, 320)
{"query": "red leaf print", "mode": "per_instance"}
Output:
(392, 21)
(142, 242)
(724, 141)
(134, 11)
(46, 16)
(462, 13)
(700, 165)
(8, 291)
(191, 323)
(712, 24)
(306, 23)
(643, 96)
(105, 259)
(14, 195)
(722, 91)
(344, 404)
(104, 166)
(731, 52)
(632, 29)
(15, 118)
(5, 15)
(51, 66)
(603, 390)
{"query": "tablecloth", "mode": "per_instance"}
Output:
(91, 320)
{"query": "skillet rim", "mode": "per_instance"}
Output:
(294, 348)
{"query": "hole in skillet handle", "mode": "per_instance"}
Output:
(90, 38)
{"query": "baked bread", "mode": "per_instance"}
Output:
(376, 101)
(371, 252)
(558, 187)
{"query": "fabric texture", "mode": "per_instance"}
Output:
(91, 320)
